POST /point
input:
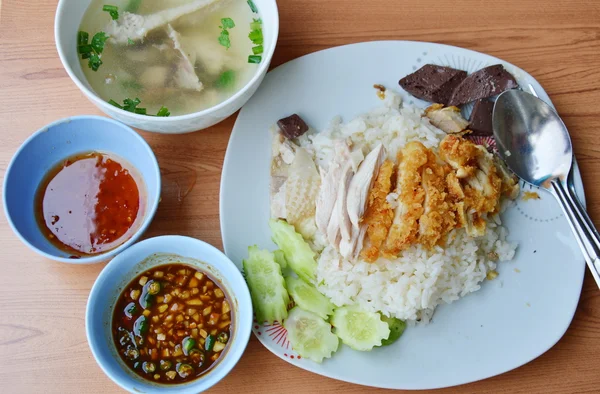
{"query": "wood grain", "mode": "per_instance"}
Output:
(42, 336)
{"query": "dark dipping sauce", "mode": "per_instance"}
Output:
(90, 203)
(172, 324)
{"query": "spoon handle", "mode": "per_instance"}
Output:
(586, 234)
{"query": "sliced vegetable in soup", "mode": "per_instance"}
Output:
(172, 323)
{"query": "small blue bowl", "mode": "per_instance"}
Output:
(49, 146)
(143, 256)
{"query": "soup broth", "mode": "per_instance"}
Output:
(183, 66)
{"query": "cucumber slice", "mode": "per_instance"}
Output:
(359, 329)
(307, 297)
(298, 254)
(267, 286)
(310, 335)
(280, 259)
(397, 328)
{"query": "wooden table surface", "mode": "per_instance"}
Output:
(43, 346)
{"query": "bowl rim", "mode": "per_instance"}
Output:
(93, 96)
(150, 212)
(242, 294)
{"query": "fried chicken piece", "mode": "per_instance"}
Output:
(379, 215)
(485, 186)
(411, 197)
(438, 218)
(510, 182)
(476, 181)
(461, 154)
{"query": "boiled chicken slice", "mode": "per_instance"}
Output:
(411, 197)
(350, 249)
(301, 189)
(361, 183)
(330, 181)
(340, 227)
(185, 76)
(283, 153)
(136, 27)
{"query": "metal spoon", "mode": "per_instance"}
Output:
(535, 143)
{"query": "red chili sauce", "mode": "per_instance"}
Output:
(90, 203)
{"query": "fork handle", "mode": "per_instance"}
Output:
(582, 226)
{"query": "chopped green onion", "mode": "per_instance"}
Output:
(254, 59)
(113, 10)
(84, 49)
(163, 111)
(257, 50)
(256, 24)
(133, 5)
(252, 6)
(82, 38)
(98, 41)
(256, 37)
(224, 39)
(227, 23)
(94, 61)
(113, 102)
(131, 105)
(226, 80)
(93, 50)
(130, 41)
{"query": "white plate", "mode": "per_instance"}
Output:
(510, 321)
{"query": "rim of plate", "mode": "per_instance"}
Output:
(314, 367)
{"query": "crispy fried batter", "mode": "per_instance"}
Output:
(379, 215)
(434, 196)
(439, 217)
(411, 196)
(461, 154)
(476, 184)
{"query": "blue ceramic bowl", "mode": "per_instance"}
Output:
(52, 144)
(143, 256)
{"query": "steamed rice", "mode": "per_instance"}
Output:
(413, 285)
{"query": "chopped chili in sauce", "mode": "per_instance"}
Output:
(172, 324)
